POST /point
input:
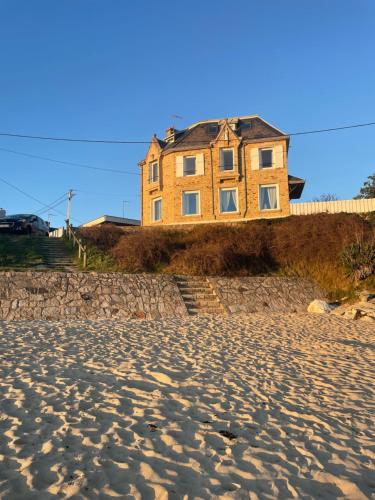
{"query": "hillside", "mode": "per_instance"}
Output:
(337, 251)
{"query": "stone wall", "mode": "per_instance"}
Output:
(56, 296)
(248, 295)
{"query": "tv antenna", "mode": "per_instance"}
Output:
(176, 117)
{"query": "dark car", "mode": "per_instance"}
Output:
(23, 224)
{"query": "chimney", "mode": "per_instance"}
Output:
(170, 134)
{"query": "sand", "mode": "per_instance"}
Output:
(257, 406)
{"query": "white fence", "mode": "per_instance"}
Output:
(57, 233)
(333, 207)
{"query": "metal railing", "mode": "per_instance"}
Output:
(82, 250)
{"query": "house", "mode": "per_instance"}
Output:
(111, 219)
(228, 170)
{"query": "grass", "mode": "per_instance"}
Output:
(20, 252)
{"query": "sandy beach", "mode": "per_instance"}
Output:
(256, 406)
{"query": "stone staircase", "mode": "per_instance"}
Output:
(198, 295)
(56, 255)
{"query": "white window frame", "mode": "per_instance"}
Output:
(221, 163)
(183, 165)
(150, 169)
(277, 197)
(237, 199)
(260, 158)
(153, 201)
(199, 203)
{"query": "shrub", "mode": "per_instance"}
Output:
(102, 237)
(224, 250)
(359, 259)
(145, 251)
(307, 246)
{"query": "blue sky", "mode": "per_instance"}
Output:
(118, 70)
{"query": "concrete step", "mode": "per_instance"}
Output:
(194, 289)
(198, 296)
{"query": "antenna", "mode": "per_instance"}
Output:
(176, 117)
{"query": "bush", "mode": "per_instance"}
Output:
(359, 259)
(102, 237)
(224, 250)
(145, 251)
(310, 246)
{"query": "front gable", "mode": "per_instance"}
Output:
(226, 137)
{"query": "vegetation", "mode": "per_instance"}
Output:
(368, 188)
(320, 247)
(18, 252)
(326, 197)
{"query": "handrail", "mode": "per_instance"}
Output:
(82, 250)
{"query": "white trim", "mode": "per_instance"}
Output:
(199, 203)
(153, 201)
(183, 165)
(234, 188)
(151, 163)
(273, 164)
(277, 195)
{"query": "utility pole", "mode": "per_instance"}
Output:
(69, 208)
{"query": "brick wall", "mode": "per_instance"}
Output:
(245, 178)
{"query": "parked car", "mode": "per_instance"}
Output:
(23, 224)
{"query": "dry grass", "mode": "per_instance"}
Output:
(308, 246)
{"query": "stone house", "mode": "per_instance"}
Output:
(228, 170)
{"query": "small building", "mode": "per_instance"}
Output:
(111, 219)
(227, 170)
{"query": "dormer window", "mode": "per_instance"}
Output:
(153, 172)
(266, 158)
(226, 159)
(213, 129)
(189, 165)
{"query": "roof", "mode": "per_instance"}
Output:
(201, 134)
(296, 186)
(112, 219)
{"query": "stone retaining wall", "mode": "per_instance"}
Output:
(56, 296)
(253, 294)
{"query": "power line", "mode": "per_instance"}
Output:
(73, 164)
(113, 141)
(91, 193)
(52, 205)
(31, 197)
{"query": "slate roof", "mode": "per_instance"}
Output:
(203, 133)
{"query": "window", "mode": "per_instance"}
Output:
(153, 172)
(265, 158)
(190, 203)
(156, 209)
(189, 165)
(269, 197)
(228, 200)
(213, 129)
(226, 159)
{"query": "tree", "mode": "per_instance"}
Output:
(326, 197)
(368, 189)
